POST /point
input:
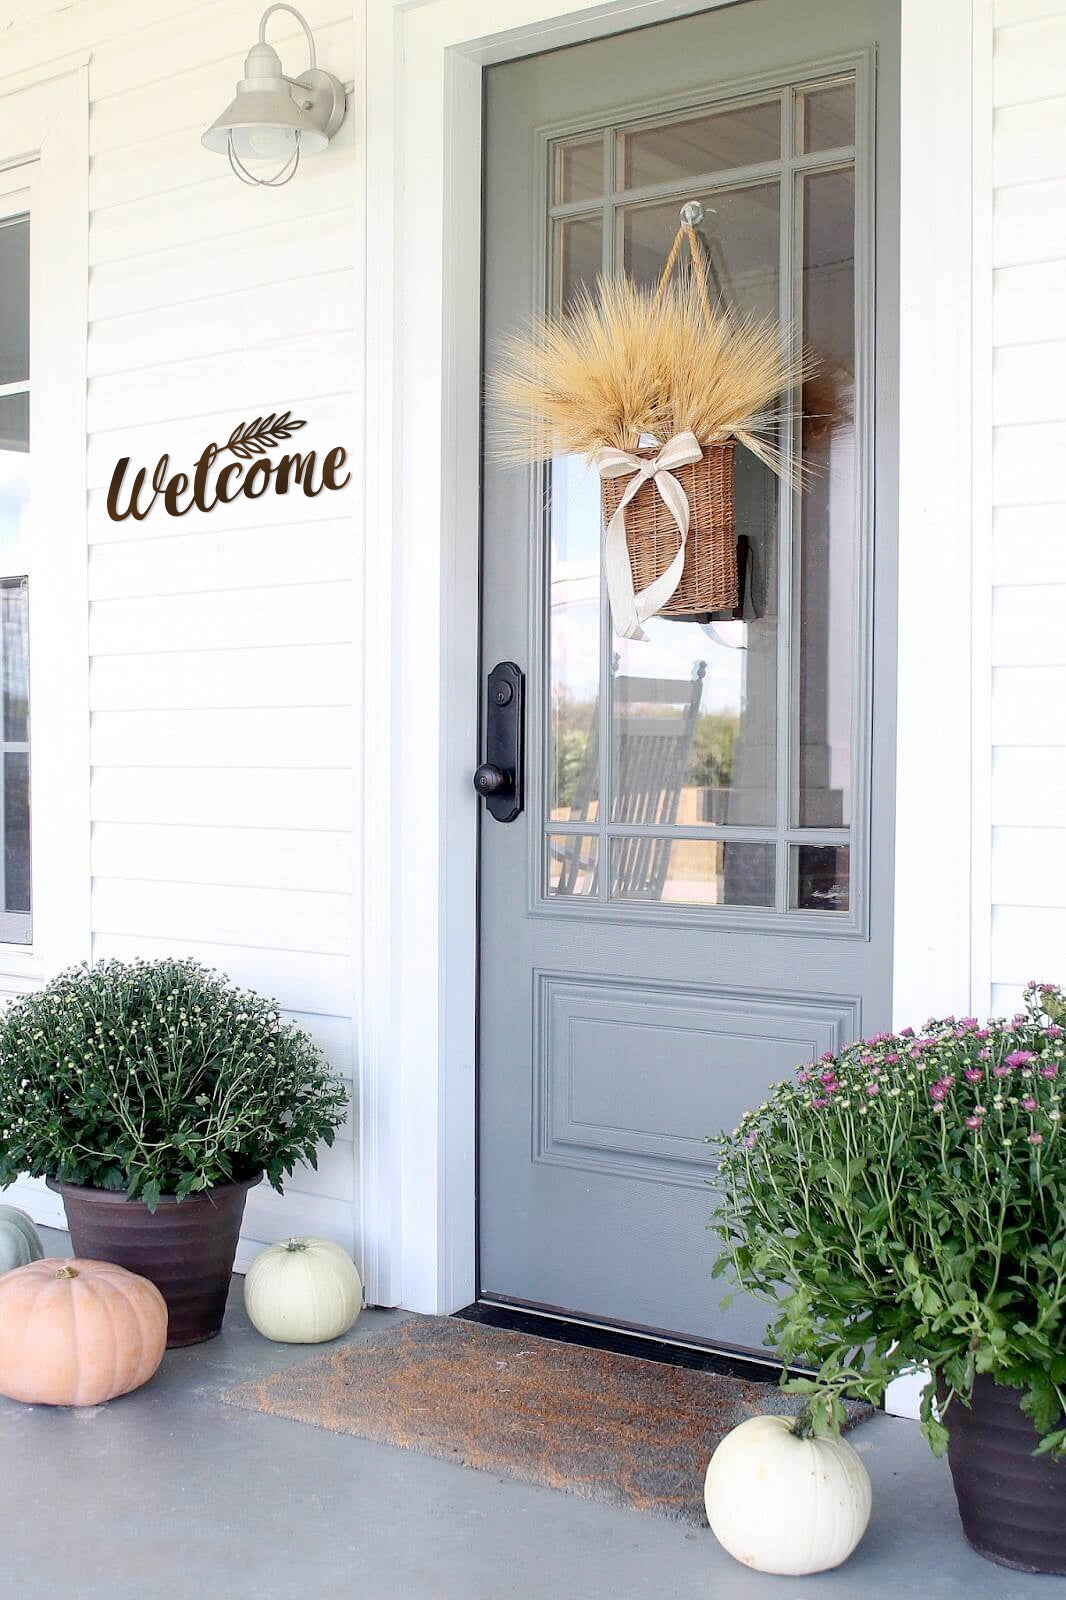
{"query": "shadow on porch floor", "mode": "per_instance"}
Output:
(168, 1493)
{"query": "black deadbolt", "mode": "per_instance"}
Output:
(499, 778)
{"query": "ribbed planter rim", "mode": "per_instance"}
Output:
(120, 1197)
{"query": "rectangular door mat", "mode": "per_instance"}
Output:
(608, 1427)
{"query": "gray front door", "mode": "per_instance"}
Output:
(698, 893)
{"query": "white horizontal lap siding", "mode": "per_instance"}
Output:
(223, 668)
(1028, 877)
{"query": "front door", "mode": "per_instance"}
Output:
(697, 894)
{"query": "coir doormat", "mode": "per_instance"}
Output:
(608, 1427)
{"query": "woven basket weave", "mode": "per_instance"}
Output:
(709, 580)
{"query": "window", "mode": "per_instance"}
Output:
(719, 763)
(14, 564)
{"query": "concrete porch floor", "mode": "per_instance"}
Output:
(171, 1494)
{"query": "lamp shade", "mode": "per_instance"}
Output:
(263, 120)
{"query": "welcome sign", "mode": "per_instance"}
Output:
(249, 442)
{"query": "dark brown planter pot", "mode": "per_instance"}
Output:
(1012, 1503)
(185, 1249)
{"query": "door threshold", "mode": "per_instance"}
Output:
(646, 1344)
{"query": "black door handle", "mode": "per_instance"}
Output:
(491, 780)
(499, 778)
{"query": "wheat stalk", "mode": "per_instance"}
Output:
(620, 364)
(253, 438)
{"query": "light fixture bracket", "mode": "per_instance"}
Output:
(323, 99)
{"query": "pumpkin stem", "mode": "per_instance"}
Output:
(67, 1272)
(295, 1244)
(803, 1426)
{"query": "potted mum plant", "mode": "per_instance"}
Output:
(153, 1095)
(902, 1203)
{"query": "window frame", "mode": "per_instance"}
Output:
(16, 927)
(44, 172)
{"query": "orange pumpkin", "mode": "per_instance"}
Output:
(77, 1333)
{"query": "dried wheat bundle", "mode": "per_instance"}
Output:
(627, 362)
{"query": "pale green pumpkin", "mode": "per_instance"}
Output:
(20, 1242)
(303, 1291)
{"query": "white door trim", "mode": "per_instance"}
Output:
(424, 63)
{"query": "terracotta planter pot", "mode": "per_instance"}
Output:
(185, 1249)
(1012, 1503)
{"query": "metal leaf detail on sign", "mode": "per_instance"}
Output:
(252, 438)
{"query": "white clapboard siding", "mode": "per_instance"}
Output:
(186, 273)
(217, 557)
(308, 613)
(252, 797)
(220, 323)
(271, 919)
(1029, 303)
(300, 980)
(1027, 705)
(1029, 786)
(1028, 384)
(1028, 567)
(318, 737)
(289, 675)
(1029, 542)
(1029, 866)
(1029, 625)
(244, 857)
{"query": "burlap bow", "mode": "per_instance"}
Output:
(628, 608)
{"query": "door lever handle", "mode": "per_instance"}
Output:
(499, 778)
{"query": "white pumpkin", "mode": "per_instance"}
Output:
(781, 1503)
(20, 1243)
(303, 1291)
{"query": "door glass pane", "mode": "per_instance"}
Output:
(14, 299)
(14, 662)
(573, 860)
(819, 877)
(827, 117)
(694, 715)
(578, 171)
(574, 641)
(15, 422)
(578, 252)
(694, 872)
(826, 515)
(694, 146)
(741, 234)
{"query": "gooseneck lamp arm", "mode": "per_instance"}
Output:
(302, 20)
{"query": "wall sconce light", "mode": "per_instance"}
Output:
(275, 118)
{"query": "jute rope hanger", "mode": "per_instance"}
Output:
(692, 215)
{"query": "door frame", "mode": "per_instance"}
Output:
(418, 923)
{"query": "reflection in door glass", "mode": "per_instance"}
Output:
(827, 508)
(819, 877)
(573, 864)
(574, 641)
(694, 146)
(578, 170)
(578, 256)
(693, 872)
(827, 117)
(741, 232)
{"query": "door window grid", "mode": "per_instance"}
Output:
(802, 856)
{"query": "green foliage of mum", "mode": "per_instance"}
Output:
(158, 1077)
(904, 1204)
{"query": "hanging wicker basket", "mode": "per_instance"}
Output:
(709, 578)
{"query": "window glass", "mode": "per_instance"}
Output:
(14, 609)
